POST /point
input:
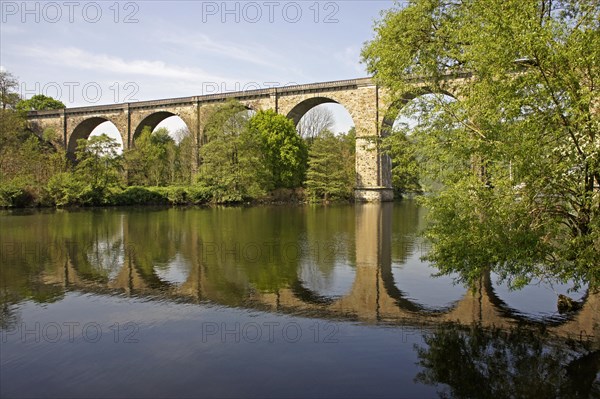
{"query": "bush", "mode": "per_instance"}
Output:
(136, 195)
(198, 195)
(176, 195)
(64, 189)
(16, 193)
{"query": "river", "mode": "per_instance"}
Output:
(287, 301)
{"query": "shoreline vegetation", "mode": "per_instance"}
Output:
(169, 196)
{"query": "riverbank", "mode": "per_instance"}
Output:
(22, 197)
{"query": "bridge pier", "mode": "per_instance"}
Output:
(373, 194)
(373, 168)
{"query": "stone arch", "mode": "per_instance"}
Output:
(154, 119)
(373, 168)
(296, 113)
(394, 108)
(83, 131)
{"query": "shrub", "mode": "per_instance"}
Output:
(136, 195)
(16, 193)
(64, 189)
(198, 195)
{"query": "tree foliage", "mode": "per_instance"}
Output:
(285, 153)
(39, 102)
(518, 153)
(405, 166)
(233, 165)
(98, 161)
(330, 172)
(153, 159)
(9, 96)
(186, 157)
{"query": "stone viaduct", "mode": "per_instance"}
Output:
(362, 98)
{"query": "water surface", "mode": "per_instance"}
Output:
(270, 302)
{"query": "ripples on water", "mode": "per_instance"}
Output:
(270, 301)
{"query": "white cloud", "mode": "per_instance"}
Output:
(252, 53)
(350, 57)
(70, 57)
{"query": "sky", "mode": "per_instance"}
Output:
(102, 52)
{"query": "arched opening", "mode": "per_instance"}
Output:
(316, 114)
(175, 125)
(408, 125)
(108, 128)
(177, 128)
(332, 117)
(327, 129)
(302, 108)
(407, 109)
(95, 126)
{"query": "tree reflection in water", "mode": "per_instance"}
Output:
(519, 363)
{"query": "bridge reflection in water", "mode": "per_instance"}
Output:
(209, 257)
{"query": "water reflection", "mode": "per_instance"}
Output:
(176, 271)
(362, 261)
(506, 363)
(416, 279)
(537, 300)
(344, 264)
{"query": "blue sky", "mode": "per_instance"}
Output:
(102, 52)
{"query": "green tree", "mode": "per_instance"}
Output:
(327, 175)
(40, 102)
(26, 162)
(233, 166)
(9, 96)
(284, 150)
(98, 164)
(139, 159)
(152, 160)
(164, 154)
(405, 167)
(518, 153)
(186, 157)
